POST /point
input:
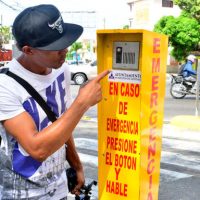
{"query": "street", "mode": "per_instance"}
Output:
(180, 163)
(173, 107)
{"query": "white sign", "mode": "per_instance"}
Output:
(124, 76)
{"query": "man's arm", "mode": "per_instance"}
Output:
(40, 145)
(74, 161)
(188, 67)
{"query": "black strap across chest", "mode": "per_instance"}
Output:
(51, 115)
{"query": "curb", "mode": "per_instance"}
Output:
(186, 122)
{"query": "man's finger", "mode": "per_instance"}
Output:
(102, 75)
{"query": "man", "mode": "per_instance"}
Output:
(188, 71)
(33, 150)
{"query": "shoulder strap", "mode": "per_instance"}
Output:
(51, 115)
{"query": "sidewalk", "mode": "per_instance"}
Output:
(188, 122)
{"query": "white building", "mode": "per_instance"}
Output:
(145, 13)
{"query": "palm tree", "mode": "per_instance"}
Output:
(74, 49)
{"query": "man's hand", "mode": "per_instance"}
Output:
(91, 93)
(80, 182)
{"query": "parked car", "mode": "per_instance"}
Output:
(83, 72)
(74, 62)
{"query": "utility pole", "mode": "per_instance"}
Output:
(197, 90)
(104, 23)
(1, 20)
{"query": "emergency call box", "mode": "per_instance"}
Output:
(130, 116)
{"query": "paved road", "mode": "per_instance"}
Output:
(180, 157)
(180, 163)
(174, 107)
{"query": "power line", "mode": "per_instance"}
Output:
(9, 6)
(79, 11)
(18, 5)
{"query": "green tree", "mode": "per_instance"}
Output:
(5, 35)
(192, 7)
(183, 32)
(88, 46)
(74, 49)
(126, 27)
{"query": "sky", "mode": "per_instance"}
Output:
(110, 14)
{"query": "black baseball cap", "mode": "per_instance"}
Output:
(42, 27)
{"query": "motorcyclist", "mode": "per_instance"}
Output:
(188, 72)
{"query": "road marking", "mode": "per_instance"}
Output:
(181, 144)
(174, 132)
(86, 143)
(173, 175)
(87, 118)
(178, 159)
(88, 159)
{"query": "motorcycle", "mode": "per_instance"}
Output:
(180, 86)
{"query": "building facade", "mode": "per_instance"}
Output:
(145, 13)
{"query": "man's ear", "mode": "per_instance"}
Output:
(27, 50)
